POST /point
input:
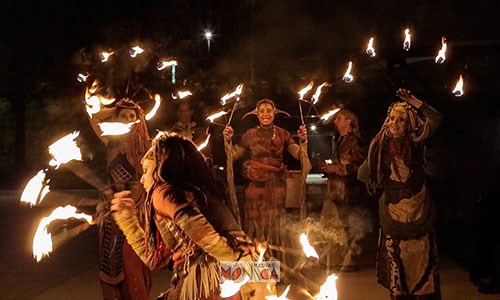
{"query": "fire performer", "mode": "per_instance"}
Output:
(345, 195)
(266, 191)
(185, 212)
(407, 262)
(190, 130)
(121, 272)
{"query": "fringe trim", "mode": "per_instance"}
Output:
(202, 279)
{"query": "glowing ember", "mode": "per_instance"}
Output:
(204, 144)
(182, 94)
(329, 114)
(407, 42)
(306, 247)
(304, 91)
(369, 49)
(236, 93)
(116, 128)
(65, 150)
(230, 288)
(315, 97)
(42, 242)
(36, 189)
(163, 64)
(105, 56)
(219, 114)
(458, 90)
(282, 297)
(348, 78)
(328, 291)
(441, 56)
(135, 51)
(81, 77)
(155, 107)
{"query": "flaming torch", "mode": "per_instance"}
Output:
(163, 64)
(65, 150)
(301, 93)
(182, 94)
(219, 114)
(328, 291)
(407, 41)
(82, 77)
(105, 56)
(369, 49)
(136, 50)
(155, 107)
(36, 189)
(458, 90)
(236, 94)
(204, 144)
(329, 114)
(42, 242)
(441, 56)
(306, 247)
(348, 78)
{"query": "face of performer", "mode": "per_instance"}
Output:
(127, 115)
(342, 124)
(184, 113)
(397, 123)
(147, 180)
(265, 113)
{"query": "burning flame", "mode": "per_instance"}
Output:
(94, 102)
(65, 150)
(135, 51)
(182, 94)
(81, 77)
(105, 56)
(458, 90)
(329, 114)
(116, 128)
(236, 93)
(328, 291)
(306, 247)
(315, 97)
(304, 91)
(328, 161)
(262, 250)
(282, 297)
(348, 78)
(229, 288)
(163, 64)
(155, 107)
(407, 42)
(441, 56)
(42, 242)
(35, 189)
(211, 118)
(204, 144)
(369, 49)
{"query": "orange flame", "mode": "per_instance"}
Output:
(136, 50)
(42, 242)
(369, 49)
(407, 41)
(458, 90)
(262, 250)
(229, 287)
(315, 97)
(219, 114)
(441, 56)
(182, 94)
(36, 189)
(304, 91)
(348, 78)
(329, 114)
(65, 150)
(105, 56)
(94, 102)
(155, 107)
(328, 291)
(306, 247)
(116, 128)
(204, 144)
(236, 93)
(163, 64)
(82, 77)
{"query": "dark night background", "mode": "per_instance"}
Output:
(275, 48)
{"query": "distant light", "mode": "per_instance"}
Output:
(208, 35)
(313, 127)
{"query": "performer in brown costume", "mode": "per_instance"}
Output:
(266, 191)
(407, 262)
(121, 272)
(185, 212)
(345, 192)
